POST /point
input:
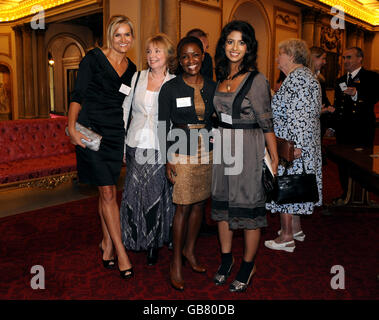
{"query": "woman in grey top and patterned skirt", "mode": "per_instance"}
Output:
(242, 103)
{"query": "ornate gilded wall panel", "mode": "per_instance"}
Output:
(287, 24)
(6, 45)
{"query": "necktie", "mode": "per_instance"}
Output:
(349, 80)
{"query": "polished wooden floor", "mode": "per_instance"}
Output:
(27, 199)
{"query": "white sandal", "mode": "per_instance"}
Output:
(299, 236)
(285, 246)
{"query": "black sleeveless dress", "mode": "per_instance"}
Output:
(97, 90)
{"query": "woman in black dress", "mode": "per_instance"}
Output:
(103, 82)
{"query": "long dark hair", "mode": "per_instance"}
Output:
(249, 61)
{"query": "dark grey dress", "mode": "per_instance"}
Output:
(238, 196)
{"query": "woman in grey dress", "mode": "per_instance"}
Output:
(296, 110)
(242, 103)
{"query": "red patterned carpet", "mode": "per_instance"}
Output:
(64, 240)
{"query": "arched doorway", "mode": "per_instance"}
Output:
(5, 92)
(253, 12)
(65, 53)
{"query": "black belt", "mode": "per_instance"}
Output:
(239, 125)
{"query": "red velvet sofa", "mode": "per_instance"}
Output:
(34, 149)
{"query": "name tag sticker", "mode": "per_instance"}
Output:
(343, 86)
(226, 118)
(124, 89)
(183, 102)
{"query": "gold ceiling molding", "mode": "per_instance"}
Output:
(356, 10)
(25, 8)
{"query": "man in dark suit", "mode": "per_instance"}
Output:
(356, 93)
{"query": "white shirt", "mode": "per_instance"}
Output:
(353, 74)
(142, 132)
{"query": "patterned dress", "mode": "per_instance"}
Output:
(296, 111)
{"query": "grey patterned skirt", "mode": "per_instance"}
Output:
(146, 210)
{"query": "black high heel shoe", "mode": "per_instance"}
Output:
(152, 256)
(127, 274)
(108, 264)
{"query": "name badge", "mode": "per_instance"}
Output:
(124, 89)
(343, 86)
(226, 118)
(183, 102)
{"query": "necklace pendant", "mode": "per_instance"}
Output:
(228, 87)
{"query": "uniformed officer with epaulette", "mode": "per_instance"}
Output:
(356, 93)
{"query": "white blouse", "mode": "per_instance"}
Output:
(142, 132)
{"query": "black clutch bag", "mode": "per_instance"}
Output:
(296, 188)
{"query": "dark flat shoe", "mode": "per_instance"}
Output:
(152, 256)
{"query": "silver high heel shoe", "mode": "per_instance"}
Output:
(219, 279)
(238, 286)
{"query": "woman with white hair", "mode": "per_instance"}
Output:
(296, 111)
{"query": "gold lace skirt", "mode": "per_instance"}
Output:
(193, 179)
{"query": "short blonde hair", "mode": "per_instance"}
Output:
(298, 49)
(168, 46)
(113, 24)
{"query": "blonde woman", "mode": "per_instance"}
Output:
(146, 206)
(103, 82)
(318, 60)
